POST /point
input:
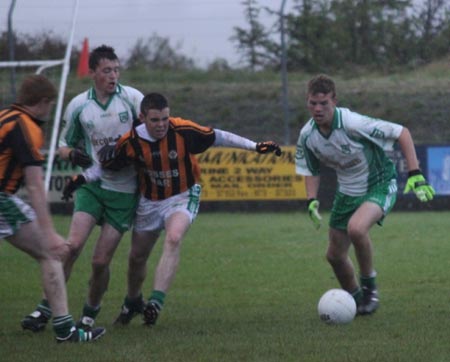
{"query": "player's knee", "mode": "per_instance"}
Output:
(355, 233)
(136, 258)
(59, 251)
(99, 264)
(334, 258)
(173, 240)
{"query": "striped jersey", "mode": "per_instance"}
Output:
(166, 167)
(21, 140)
(355, 148)
(91, 125)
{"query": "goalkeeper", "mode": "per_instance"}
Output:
(162, 149)
(354, 146)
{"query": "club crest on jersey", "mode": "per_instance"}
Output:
(124, 117)
(345, 149)
(173, 155)
(90, 124)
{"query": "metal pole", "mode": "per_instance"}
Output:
(59, 103)
(11, 45)
(284, 85)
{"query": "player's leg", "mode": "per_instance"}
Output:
(358, 230)
(176, 226)
(49, 252)
(178, 212)
(339, 244)
(377, 204)
(116, 217)
(339, 259)
(104, 250)
(142, 243)
(87, 211)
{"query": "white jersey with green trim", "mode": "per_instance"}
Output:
(91, 125)
(355, 148)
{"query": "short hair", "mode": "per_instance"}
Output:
(35, 88)
(99, 53)
(153, 101)
(322, 83)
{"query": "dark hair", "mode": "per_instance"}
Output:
(322, 84)
(153, 101)
(34, 88)
(99, 53)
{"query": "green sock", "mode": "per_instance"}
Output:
(357, 295)
(91, 312)
(133, 303)
(157, 297)
(44, 308)
(62, 325)
(368, 282)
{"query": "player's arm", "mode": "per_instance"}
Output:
(116, 157)
(228, 139)
(312, 184)
(91, 174)
(76, 156)
(416, 181)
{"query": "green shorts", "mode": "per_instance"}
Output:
(106, 206)
(344, 206)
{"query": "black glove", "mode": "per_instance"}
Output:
(74, 183)
(80, 158)
(268, 146)
(106, 154)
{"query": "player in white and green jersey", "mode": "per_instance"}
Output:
(93, 119)
(354, 146)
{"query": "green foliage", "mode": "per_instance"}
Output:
(155, 53)
(331, 35)
(247, 290)
(39, 46)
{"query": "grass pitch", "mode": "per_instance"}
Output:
(247, 290)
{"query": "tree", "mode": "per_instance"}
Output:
(157, 53)
(254, 43)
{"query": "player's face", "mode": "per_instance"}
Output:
(156, 122)
(321, 107)
(106, 77)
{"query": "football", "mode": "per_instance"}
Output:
(336, 306)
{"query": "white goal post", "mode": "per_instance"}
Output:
(43, 64)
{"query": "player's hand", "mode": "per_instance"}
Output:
(74, 183)
(106, 154)
(268, 146)
(80, 158)
(313, 210)
(417, 183)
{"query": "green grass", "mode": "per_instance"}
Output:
(247, 290)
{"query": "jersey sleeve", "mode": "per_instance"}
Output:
(306, 163)
(198, 138)
(380, 132)
(72, 131)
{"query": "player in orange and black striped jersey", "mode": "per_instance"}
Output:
(162, 148)
(30, 227)
(21, 140)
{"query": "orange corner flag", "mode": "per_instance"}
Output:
(83, 62)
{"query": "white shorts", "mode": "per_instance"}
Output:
(13, 213)
(151, 215)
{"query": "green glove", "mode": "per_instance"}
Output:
(417, 183)
(313, 210)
